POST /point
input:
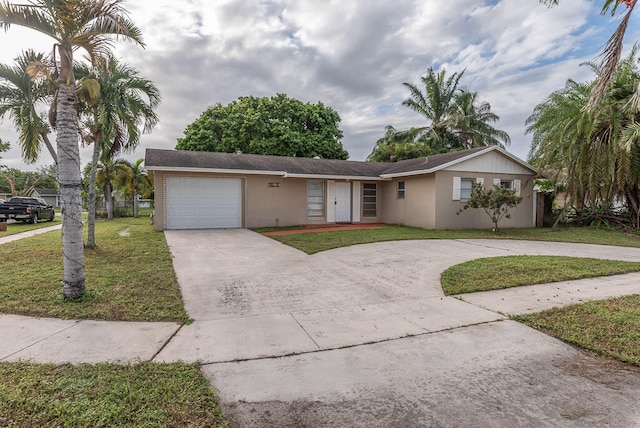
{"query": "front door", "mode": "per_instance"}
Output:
(343, 202)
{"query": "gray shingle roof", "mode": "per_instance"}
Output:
(177, 159)
(46, 192)
(242, 162)
(428, 163)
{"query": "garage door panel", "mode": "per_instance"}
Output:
(203, 203)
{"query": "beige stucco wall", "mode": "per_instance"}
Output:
(275, 206)
(417, 209)
(262, 205)
(429, 203)
(446, 218)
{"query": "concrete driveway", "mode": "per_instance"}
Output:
(363, 336)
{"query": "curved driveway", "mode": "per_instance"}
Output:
(362, 337)
(252, 297)
(267, 299)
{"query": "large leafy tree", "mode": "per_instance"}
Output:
(21, 183)
(276, 125)
(612, 51)
(124, 108)
(20, 96)
(456, 120)
(90, 25)
(598, 148)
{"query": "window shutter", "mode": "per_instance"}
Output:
(480, 181)
(516, 187)
(496, 182)
(456, 188)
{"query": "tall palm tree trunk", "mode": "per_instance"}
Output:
(135, 198)
(108, 197)
(91, 222)
(70, 191)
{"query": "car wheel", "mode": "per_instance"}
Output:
(34, 219)
(53, 215)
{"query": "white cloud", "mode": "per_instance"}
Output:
(351, 55)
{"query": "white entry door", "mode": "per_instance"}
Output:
(343, 202)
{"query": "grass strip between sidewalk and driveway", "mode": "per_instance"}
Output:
(495, 273)
(129, 277)
(608, 327)
(311, 243)
(13, 228)
(106, 395)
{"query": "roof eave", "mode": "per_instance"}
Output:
(335, 177)
(283, 174)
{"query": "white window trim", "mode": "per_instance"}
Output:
(457, 185)
(403, 190)
(323, 200)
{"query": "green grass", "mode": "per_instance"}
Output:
(608, 327)
(106, 395)
(129, 276)
(312, 243)
(13, 228)
(494, 273)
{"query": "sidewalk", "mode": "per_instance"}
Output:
(48, 340)
(17, 236)
(315, 320)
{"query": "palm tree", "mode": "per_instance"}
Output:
(123, 109)
(612, 50)
(19, 97)
(472, 122)
(599, 148)
(109, 172)
(435, 104)
(456, 120)
(136, 177)
(74, 24)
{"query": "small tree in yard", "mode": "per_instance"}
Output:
(496, 202)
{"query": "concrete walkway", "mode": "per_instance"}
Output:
(364, 336)
(18, 236)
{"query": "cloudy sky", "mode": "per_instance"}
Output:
(352, 55)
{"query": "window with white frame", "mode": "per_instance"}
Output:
(315, 198)
(400, 190)
(514, 185)
(369, 200)
(466, 187)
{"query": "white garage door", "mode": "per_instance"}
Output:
(203, 203)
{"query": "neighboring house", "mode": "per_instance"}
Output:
(5, 195)
(225, 190)
(51, 196)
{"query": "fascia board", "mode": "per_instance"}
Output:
(335, 177)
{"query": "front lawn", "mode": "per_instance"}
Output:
(129, 276)
(312, 243)
(13, 228)
(106, 395)
(494, 273)
(608, 327)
